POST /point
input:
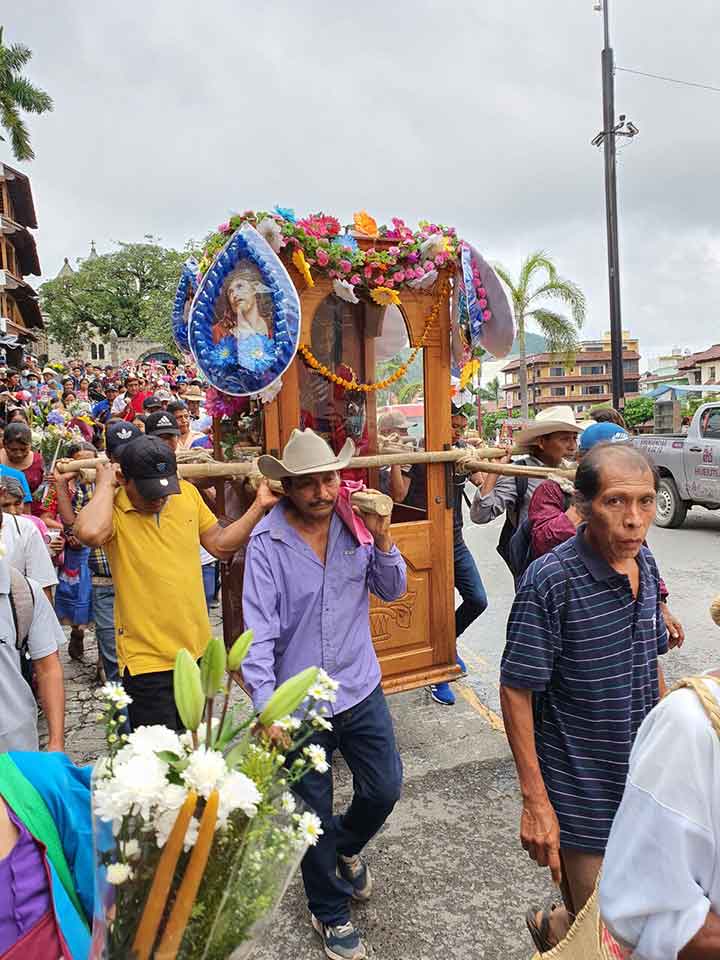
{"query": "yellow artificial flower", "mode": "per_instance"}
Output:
(364, 223)
(468, 372)
(303, 267)
(385, 296)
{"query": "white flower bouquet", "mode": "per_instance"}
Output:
(197, 835)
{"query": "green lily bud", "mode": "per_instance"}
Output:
(212, 668)
(288, 696)
(239, 650)
(189, 697)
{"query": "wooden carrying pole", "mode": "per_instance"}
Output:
(196, 471)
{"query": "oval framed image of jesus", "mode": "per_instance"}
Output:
(245, 318)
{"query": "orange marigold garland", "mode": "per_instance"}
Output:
(312, 361)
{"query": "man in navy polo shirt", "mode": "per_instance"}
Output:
(580, 673)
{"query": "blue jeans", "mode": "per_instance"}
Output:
(470, 587)
(365, 737)
(103, 598)
(209, 575)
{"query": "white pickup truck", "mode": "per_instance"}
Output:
(689, 467)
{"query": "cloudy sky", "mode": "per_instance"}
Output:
(169, 115)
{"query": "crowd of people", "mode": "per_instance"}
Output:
(581, 679)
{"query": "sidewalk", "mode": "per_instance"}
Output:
(451, 880)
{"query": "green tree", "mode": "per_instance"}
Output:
(491, 391)
(638, 410)
(17, 94)
(130, 291)
(538, 285)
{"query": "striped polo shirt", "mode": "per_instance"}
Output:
(588, 650)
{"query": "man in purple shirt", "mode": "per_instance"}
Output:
(306, 598)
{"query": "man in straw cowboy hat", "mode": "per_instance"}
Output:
(547, 440)
(308, 575)
(579, 674)
(660, 888)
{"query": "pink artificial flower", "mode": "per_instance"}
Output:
(368, 271)
(486, 315)
(321, 257)
(482, 303)
(481, 292)
(394, 251)
(224, 228)
(345, 266)
(355, 279)
(399, 276)
(388, 282)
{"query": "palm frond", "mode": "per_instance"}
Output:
(15, 57)
(559, 331)
(516, 294)
(568, 293)
(19, 135)
(27, 96)
(538, 260)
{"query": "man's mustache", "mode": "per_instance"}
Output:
(322, 503)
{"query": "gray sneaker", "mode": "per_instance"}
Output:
(341, 942)
(357, 873)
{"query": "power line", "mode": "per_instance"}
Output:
(657, 76)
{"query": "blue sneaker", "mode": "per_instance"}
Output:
(461, 663)
(341, 942)
(357, 873)
(441, 693)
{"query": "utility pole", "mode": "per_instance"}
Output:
(607, 136)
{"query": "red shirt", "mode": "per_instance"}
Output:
(136, 404)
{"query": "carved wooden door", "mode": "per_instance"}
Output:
(414, 636)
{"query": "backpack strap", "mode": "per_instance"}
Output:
(22, 605)
(708, 701)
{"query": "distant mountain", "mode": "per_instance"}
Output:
(534, 343)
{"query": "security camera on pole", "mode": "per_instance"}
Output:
(607, 136)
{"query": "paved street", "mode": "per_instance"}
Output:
(451, 879)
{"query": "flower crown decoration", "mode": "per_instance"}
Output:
(318, 245)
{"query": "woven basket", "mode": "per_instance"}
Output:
(589, 938)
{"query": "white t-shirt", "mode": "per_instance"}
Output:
(18, 710)
(661, 873)
(26, 549)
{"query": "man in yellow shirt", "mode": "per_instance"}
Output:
(151, 530)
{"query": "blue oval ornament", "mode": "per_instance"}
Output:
(244, 326)
(183, 299)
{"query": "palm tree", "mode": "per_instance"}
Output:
(491, 391)
(538, 283)
(17, 94)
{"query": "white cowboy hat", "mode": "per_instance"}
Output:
(552, 420)
(304, 453)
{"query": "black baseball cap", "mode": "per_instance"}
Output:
(150, 402)
(162, 423)
(118, 434)
(152, 465)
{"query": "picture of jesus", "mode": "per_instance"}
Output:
(244, 306)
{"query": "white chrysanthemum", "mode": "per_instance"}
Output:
(165, 821)
(115, 692)
(326, 680)
(137, 786)
(317, 757)
(204, 771)
(149, 740)
(270, 229)
(287, 802)
(118, 873)
(318, 722)
(238, 792)
(309, 828)
(130, 849)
